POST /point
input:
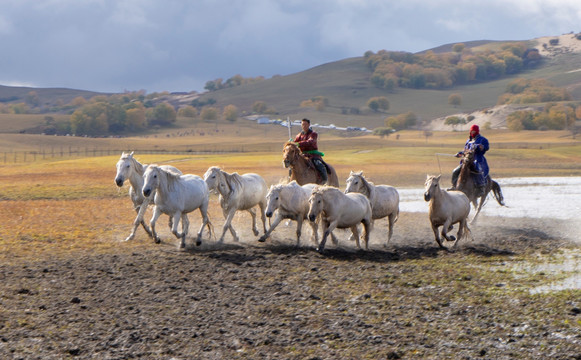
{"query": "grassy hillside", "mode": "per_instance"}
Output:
(47, 96)
(346, 85)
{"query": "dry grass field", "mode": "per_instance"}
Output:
(71, 288)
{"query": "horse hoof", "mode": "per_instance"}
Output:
(320, 250)
(199, 242)
(452, 238)
(262, 239)
(158, 240)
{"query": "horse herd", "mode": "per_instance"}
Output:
(177, 194)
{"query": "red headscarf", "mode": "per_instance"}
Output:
(476, 130)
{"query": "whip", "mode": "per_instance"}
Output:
(438, 158)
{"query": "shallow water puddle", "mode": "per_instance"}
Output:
(533, 197)
(568, 263)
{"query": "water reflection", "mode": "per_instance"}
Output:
(533, 197)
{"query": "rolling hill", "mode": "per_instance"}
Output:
(345, 83)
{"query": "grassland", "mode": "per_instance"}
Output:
(72, 288)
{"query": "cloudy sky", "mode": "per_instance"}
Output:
(178, 45)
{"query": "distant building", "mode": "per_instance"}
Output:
(263, 120)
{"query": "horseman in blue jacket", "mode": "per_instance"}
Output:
(479, 144)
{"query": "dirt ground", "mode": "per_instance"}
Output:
(276, 301)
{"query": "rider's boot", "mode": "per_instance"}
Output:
(322, 170)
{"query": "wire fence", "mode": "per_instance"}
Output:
(15, 157)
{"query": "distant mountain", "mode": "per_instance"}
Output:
(47, 96)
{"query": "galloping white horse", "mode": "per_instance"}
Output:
(290, 201)
(238, 192)
(384, 199)
(128, 168)
(446, 209)
(341, 211)
(176, 195)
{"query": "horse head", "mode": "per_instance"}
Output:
(468, 157)
(123, 166)
(212, 177)
(273, 199)
(316, 204)
(150, 180)
(432, 186)
(354, 182)
(290, 153)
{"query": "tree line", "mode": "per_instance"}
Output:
(429, 70)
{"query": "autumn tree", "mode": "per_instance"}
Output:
(209, 113)
(259, 107)
(136, 119)
(230, 113)
(162, 114)
(378, 103)
(455, 99)
(401, 121)
(188, 111)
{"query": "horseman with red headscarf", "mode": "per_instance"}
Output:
(479, 144)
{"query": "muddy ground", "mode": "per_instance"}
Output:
(276, 301)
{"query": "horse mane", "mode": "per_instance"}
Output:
(368, 185)
(322, 189)
(466, 168)
(171, 178)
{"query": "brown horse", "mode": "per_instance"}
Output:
(302, 170)
(467, 186)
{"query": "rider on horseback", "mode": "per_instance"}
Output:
(307, 141)
(479, 144)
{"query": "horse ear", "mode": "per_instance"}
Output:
(438, 177)
(131, 154)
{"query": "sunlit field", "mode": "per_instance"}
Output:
(54, 206)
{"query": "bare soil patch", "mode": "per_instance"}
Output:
(276, 301)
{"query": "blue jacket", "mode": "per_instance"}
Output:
(479, 159)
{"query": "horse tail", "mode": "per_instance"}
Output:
(497, 192)
(211, 230)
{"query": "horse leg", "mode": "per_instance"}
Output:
(154, 217)
(277, 219)
(176, 221)
(314, 229)
(367, 226)
(327, 229)
(480, 203)
(185, 228)
(228, 225)
(262, 206)
(445, 231)
(253, 213)
(355, 234)
(437, 236)
(139, 220)
(390, 222)
(205, 221)
(299, 229)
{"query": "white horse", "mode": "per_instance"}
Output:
(341, 211)
(446, 209)
(290, 201)
(176, 195)
(384, 199)
(128, 168)
(238, 192)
